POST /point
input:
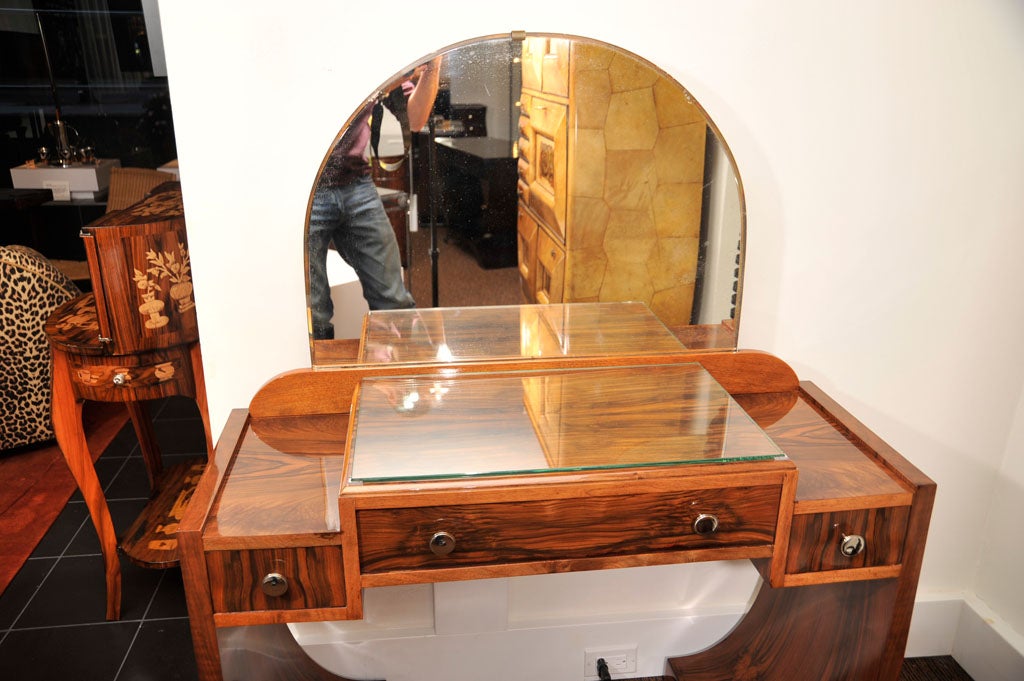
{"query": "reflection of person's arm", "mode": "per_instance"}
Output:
(421, 101)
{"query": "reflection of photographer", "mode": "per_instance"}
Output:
(347, 210)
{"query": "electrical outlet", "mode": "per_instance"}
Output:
(620, 660)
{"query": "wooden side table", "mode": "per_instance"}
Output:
(133, 339)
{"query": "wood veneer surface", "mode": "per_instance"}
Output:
(833, 464)
(281, 480)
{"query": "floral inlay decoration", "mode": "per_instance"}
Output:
(165, 267)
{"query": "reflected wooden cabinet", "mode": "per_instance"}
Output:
(611, 171)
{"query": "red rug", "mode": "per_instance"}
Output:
(35, 485)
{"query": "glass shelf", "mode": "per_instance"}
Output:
(514, 332)
(430, 427)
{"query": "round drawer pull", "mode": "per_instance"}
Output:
(120, 378)
(706, 524)
(442, 543)
(852, 545)
(274, 584)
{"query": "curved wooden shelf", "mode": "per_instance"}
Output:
(151, 541)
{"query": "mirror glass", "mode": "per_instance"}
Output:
(527, 168)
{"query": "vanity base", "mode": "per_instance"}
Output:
(842, 631)
(836, 528)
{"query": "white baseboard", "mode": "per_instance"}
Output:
(986, 647)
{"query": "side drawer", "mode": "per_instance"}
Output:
(816, 539)
(314, 578)
(395, 539)
(140, 376)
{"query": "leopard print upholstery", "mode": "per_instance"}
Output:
(30, 289)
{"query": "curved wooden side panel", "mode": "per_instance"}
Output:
(825, 632)
(326, 391)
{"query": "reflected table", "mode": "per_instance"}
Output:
(427, 471)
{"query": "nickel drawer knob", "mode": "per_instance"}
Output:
(442, 543)
(274, 584)
(852, 545)
(120, 378)
(706, 524)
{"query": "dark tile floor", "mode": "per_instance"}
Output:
(52, 625)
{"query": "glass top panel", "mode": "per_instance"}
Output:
(514, 331)
(508, 423)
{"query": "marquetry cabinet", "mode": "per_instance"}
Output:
(134, 338)
(611, 170)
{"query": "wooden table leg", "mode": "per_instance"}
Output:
(143, 426)
(68, 428)
(199, 378)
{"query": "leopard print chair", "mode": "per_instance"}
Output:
(30, 289)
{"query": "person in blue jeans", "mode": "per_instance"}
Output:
(347, 210)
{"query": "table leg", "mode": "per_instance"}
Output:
(68, 428)
(143, 426)
(199, 378)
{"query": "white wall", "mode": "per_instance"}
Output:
(882, 154)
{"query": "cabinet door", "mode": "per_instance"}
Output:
(527, 245)
(548, 163)
(549, 277)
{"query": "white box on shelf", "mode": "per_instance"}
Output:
(84, 180)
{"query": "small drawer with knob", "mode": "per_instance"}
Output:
(842, 540)
(277, 579)
(591, 528)
(141, 376)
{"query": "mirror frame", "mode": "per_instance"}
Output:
(521, 35)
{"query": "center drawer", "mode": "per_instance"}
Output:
(480, 534)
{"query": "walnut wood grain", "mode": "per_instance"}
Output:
(851, 619)
(837, 470)
(151, 540)
(825, 632)
(139, 264)
(329, 391)
(587, 526)
(74, 326)
(816, 538)
(315, 578)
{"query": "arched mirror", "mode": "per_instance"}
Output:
(531, 168)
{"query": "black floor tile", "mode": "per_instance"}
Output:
(75, 593)
(177, 437)
(107, 468)
(82, 653)
(169, 599)
(22, 588)
(123, 513)
(162, 652)
(174, 408)
(132, 481)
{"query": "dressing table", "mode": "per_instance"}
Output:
(476, 443)
(335, 480)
